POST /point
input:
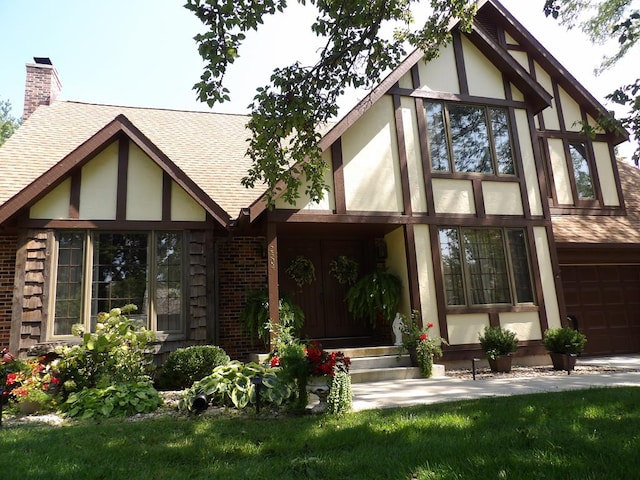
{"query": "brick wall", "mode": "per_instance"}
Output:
(8, 246)
(242, 267)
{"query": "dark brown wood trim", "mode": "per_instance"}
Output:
(74, 196)
(535, 94)
(558, 105)
(123, 175)
(441, 301)
(412, 267)
(338, 177)
(571, 173)
(272, 277)
(415, 77)
(116, 224)
(459, 57)
(571, 210)
(402, 156)
(456, 97)
(475, 176)
(381, 218)
(478, 197)
(498, 308)
(166, 196)
(47, 286)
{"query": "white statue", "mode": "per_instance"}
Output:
(397, 327)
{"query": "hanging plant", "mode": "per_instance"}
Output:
(344, 269)
(375, 296)
(301, 271)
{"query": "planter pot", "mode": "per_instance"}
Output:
(319, 386)
(500, 364)
(563, 361)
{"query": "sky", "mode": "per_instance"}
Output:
(142, 52)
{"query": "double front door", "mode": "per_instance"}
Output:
(323, 301)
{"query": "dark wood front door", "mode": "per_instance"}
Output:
(323, 301)
(606, 302)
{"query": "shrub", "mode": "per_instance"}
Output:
(497, 341)
(187, 365)
(255, 314)
(115, 353)
(231, 385)
(564, 340)
(122, 399)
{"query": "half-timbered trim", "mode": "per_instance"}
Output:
(463, 84)
(123, 175)
(402, 155)
(74, 197)
(166, 197)
(272, 276)
(412, 267)
(457, 97)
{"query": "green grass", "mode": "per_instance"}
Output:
(592, 434)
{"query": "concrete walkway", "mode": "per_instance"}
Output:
(401, 393)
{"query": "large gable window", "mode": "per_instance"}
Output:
(99, 271)
(485, 266)
(469, 138)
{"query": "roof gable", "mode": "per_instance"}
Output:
(117, 128)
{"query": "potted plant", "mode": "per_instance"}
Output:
(564, 345)
(498, 343)
(421, 347)
(375, 296)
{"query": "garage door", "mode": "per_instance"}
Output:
(606, 301)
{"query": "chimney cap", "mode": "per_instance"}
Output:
(42, 60)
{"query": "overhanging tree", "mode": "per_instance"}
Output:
(602, 20)
(286, 113)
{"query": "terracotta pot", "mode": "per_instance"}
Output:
(563, 361)
(501, 363)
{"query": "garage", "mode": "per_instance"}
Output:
(605, 299)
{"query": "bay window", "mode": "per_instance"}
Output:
(98, 271)
(485, 266)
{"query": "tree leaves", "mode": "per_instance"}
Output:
(287, 113)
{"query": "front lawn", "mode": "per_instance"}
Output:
(593, 434)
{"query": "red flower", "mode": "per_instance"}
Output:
(429, 325)
(423, 337)
(275, 361)
(11, 378)
(55, 380)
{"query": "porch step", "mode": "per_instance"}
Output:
(377, 364)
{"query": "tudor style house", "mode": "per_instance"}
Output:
(467, 176)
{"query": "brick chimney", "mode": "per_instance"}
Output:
(42, 86)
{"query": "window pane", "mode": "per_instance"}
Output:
(581, 170)
(68, 305)
(501, 140)
(169, 287)
(484, 255)
(470, 139)
(119, 273)
(520, 264)
(451, 266)
(437, 137)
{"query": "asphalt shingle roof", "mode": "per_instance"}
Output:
(209, 147)
(605, 229)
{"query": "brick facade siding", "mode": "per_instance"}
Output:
(242, 267)
(8, 247)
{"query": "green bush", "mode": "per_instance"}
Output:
(255, 314)
(564, 340)
(118, 400)
(187, 365)
(231, 385)
(497, 341)
(115, 353)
